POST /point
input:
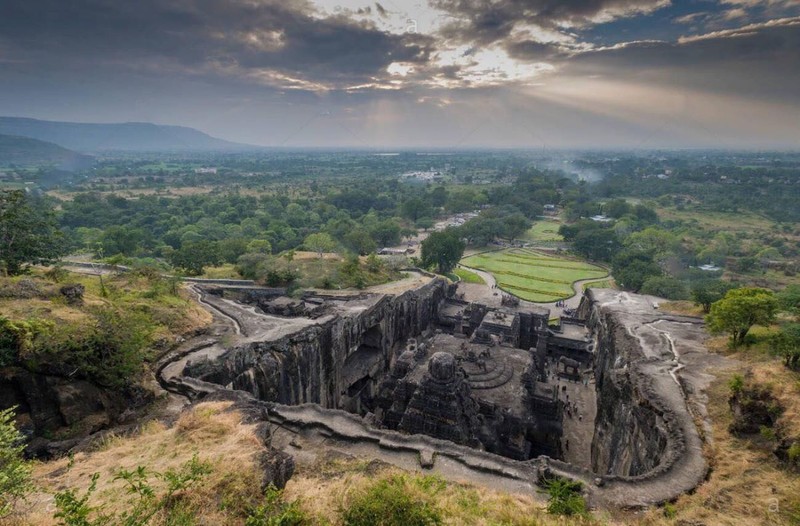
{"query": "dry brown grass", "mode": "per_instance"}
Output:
(681, 308)
(327, 488)
(301, 255)
(747, 484)
(208, 430)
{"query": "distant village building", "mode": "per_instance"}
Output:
(212, 171)
(601, 219)
(430, 175)
(395, 251)
(709, 268)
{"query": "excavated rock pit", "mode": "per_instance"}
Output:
(422, 379)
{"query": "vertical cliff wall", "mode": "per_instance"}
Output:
(645, 431)
(329, 363)
(630, 435)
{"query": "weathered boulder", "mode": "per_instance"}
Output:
(278, 468)
(73, 293)
(79, 400)
(71, 409)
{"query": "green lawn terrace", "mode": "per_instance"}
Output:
(544, 231)
(532, 275)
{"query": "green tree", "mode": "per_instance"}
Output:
(632, 269)
(655, 241)
(616, 208)
(359, 241)
(739, 310)
(786, 344)
(15, 472)
(259, 246)
(121, 240)
(415, 208)
(665, 287)
(438, 196)
(708, 291)
(789, 299)
(385, 233)
(443, 249)
(28, 233)
(320, 243)
(597, 244)
(514, 225)
(425, 223)
(193, 257)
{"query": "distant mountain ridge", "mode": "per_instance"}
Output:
(129, 136)
(26, 151)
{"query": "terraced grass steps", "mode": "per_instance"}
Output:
(532, 275)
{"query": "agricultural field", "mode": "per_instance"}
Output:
(544, 231)
(534, 276)
(468, 277)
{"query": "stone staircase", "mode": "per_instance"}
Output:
(497, 373)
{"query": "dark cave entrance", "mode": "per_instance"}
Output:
(362, 372)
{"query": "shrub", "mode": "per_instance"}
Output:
(76, 510)
(109, 352)
(565, 497)
(767, 432)
(57, 274)
(736, 384)
(17, 338)
(276, 512)
(794, 452)
(15, 472)
(389, 503)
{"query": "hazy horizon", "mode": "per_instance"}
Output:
(438, 74)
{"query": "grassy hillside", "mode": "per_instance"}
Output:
(339, 489)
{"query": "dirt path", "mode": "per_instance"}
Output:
(487, 277)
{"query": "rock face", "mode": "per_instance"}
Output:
(334, 361)
(50, 404)
(630, 434)
(649, 371)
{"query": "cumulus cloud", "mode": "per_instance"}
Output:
(490, 21)
(425, 67)
(759, 60)
(271, 40)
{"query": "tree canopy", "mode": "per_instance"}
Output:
(739, 310)
(320, 243)
(28, 233)
(443, 249)
(708, 291)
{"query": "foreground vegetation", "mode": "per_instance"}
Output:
(101, 329)
(204, 469)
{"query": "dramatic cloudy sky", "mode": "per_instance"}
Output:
(416, 73)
